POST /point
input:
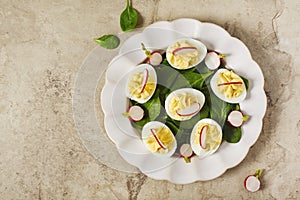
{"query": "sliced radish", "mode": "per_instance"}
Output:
(157, 139)
(135, 113)
(231, 83)
(186, 151)
(212, 60)
(182, 50)
(189, 111)
(252, 182)
(145, 80)
(155, 58)
(236, 118)
(202, 138)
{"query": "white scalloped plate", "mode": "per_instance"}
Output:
(113, 99)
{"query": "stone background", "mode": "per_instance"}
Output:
(42, 45)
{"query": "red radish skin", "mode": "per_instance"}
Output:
(183, 50)
(189, 111)
(237, 118)
(157, 139)
(145, 80)
(202, 138)
(230, 83)
(252, 183)
(135, 113)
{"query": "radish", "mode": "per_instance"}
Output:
(213, 60)
(157, 139)
(154, 58)
(145, 80)
(135, 113)
(236, 118)
(231, 83)
(189, 111)
(186, 152)
(183, 50)
(202, 137)
(252, 182)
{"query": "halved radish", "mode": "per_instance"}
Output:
(157, 139)
(202, 137)
(186, 152)
(236, 118)
(145, 80)
(231, 83)
(252, 182)
(155, 58)
(135, 113)
(213, 60)
(182, 50)
(189, 111)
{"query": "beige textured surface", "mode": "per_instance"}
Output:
(42, 45)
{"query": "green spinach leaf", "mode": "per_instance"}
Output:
(219, 109)
(153, 106)
(231, 134)
(195, 79)
(246, 81)
(108, 41)
(128, 18)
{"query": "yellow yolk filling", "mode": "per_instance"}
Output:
(213, 136)
(232, 90)
(135, 86)
(166, 138)
(180, 102)
(183, 60)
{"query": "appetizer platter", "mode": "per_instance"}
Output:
(183, 101)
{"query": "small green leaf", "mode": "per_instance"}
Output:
(108, 41)
(128, 18)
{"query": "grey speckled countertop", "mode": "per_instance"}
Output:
(42, 46)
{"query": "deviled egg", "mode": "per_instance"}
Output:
(228, 86)
(206, 137)
(186, 53)
(159, 139)
(183, 104)
(141, 83)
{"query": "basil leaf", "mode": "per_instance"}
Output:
(108, 41)
(128, 18)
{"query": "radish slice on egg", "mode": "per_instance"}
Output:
(189, 111)
(183, 50)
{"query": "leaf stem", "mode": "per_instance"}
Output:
(128, 6)
(258, 173)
